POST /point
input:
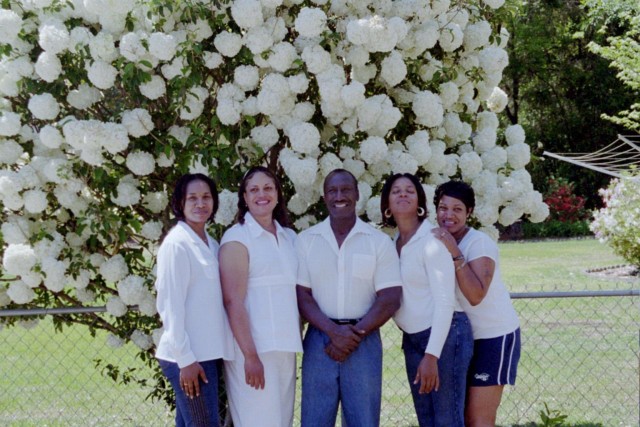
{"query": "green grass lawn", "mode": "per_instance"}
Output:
(580, 356)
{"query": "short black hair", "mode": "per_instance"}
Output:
(458, 190)
(386, 191)
(180, 193)
(280, 212)
(338, 172)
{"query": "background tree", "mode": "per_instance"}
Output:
(560, 89)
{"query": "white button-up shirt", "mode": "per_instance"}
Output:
(271, 291)
(428, 291)
(189, 301)
(344, 280)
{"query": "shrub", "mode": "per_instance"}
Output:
(618, 222)
(564, 205)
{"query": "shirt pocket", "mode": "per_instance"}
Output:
(363, 266)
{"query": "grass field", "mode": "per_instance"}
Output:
(580, 356)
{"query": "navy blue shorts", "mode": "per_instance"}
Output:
(495, 361)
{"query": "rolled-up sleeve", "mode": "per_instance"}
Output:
(387, 272)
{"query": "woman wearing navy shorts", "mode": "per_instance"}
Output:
(485, 299)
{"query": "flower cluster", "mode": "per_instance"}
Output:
(564, 205)
(618, 222)
(105, 103)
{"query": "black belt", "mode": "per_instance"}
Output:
(345, 321)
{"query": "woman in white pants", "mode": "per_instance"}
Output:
(258, 267)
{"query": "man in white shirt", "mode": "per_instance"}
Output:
(349, 285)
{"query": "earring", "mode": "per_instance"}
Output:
(421, 211)
(387, 213)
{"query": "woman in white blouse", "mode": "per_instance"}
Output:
(258, 267)
(195, 329)
(437, 340)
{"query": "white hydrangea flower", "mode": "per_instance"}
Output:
(282, 56)
(53, 36)
(518, 155)
(470, 165)
(228, 111)
(131, 47)
(212, 60)
(55, 278)
(227, 208)
(85, 296)
(116, 307)
(156, 202)
(247, 13)
(141, 163)
(373, 210)
(131, 289)
(83, 97)
(154, 89)
(151, 230)
(138, 122)
(428, 109)
(165, 161)
(102, 47)
(393, 69)
(114, 341)
(493, 4)
(147, 305)
(304, 138)
(162, 46)
(20, 293)
(246, 77)
(329, 162)
(50, 137)
(141, 339)
(494, 159)
(15, 230)
(476, 35)
(498, 100)
(102, 74)
(316, 59)
(43, 106)
(418, 146)
(298, 83)
(10, 151)
(114, 269)
(301, 171)
(451, 37)
(180, 133)
(514, 134)
(9, 123)
(18, 259)
(356, 167)
(449, 94)
(35, 201)
(10, 25)
(311, 22)
(114, 137)
(484, 140)
(373, 149)
(194, 103)
(265, 136)
(353, 94)
(493, 59)
(81, 280)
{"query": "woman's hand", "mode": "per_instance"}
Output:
(254, 372)
(427, 375)
(447, 239)
(189, 379)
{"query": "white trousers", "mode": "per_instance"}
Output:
(271, 406)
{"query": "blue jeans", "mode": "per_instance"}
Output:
(444, 407)
(356, 382)
(201, 411)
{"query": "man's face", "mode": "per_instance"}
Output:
(341, 196)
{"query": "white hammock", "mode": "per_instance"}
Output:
(615, 159)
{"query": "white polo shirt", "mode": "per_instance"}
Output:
(271, 291)
(495, 315)
(344, 280)
(428, 291)
(189, 301)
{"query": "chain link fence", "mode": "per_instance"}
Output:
(581, 352)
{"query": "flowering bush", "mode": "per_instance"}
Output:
(104, 103)
(618, 222)
(564, 205)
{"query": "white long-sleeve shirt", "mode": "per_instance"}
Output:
(189, 301)
(428, 291)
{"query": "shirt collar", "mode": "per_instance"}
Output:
(324, 228)
(256, 229)
(194, 237)
(424, 230)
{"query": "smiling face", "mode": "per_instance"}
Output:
(341, 196)
(403, 198)
(198, 203)
(261, 195)
(452, 214)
